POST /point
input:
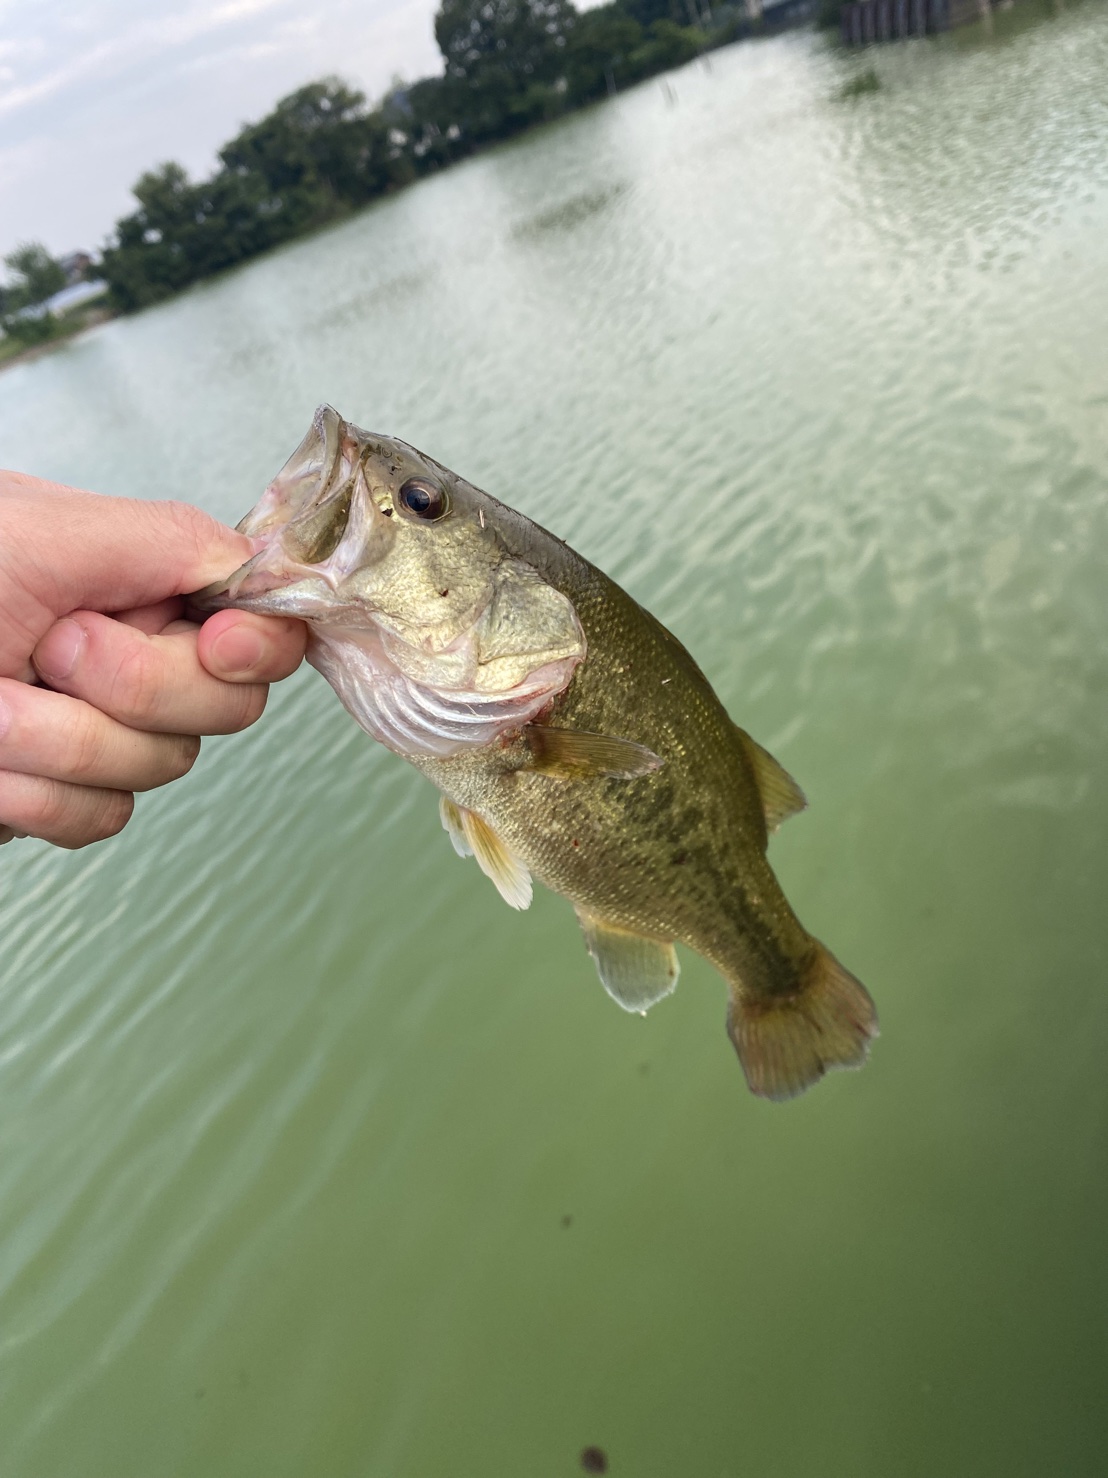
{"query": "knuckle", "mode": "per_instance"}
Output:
(247, 708)
(136, 693)
(185, 749)
(171, 757)
(87, 748)
(195, 528)
(114, 810)
(53, 807)
(73, 817)
(189, 519)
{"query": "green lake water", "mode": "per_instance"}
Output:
(318, 1161)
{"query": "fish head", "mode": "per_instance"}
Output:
(402, 572)
(358, 528)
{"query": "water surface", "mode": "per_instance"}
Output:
(317, 1160)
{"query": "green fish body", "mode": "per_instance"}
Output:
(573, 739)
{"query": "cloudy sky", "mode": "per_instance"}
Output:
(92, 92)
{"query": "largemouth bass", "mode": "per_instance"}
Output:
(572, 737)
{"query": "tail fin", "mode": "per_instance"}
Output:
(786, 1043)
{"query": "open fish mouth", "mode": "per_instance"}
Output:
(312, 526)
(304, 480)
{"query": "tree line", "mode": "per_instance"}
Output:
(323, 151)
(34, 276)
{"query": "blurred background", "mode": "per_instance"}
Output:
(315, 1159)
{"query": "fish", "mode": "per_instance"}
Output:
(572, 738)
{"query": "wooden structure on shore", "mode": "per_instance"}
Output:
(863, 21)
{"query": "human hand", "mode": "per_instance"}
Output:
(104, 689)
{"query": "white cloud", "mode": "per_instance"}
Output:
(140, 42)
(91, 96)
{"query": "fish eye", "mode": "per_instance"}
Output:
(422, 498)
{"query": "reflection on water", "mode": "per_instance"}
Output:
(316, 1159)
(569, 213)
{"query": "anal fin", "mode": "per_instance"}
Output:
(574, 754)
(473, 837)
(635, 971)
(781, 796)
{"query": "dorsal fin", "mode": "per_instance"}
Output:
(634, 970)
(781, 796)
(472, 837)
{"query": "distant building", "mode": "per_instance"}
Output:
(74, 295)
(862, 21)
(67, 298)
(75, 266)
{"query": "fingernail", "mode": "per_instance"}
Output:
(5, 718)
(238, 650)
(58, 653)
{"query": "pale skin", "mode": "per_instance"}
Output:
(105, 688)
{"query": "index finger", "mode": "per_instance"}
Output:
(109, 554)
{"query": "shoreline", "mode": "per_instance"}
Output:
(93, 320)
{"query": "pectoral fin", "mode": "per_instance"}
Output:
(472, 837)
(781, 796)
(634, 970)
(573, 754)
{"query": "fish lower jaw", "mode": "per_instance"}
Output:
(274, 586)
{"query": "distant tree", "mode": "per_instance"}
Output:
(646, 12)
(37, 277)
(318, 147)
(423, 115)
(321, 151)
(505, 58)
(602, 42)
(183, 231)
(318, 153)
(668, 45)
(149, 258)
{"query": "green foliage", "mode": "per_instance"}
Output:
(322, 152)
(182, 232)
(503, 56)
(318, 154)
(37, 277)
(670, 45)
(646, 12)
(26, 331)
(318, 147)
(600, 47)
(522, 40)
(427, 113)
